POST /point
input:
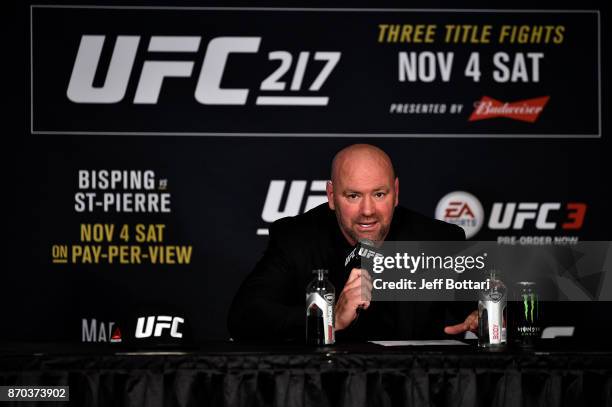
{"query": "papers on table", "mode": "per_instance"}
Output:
(441, 342)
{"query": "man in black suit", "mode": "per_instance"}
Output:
(363, 199)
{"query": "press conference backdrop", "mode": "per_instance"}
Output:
(155, 143)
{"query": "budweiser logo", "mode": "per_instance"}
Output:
(525, 110)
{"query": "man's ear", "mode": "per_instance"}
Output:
(329, 188)
(396, 191)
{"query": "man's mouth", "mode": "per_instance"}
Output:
(367, 225)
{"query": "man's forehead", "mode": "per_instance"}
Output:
(364, 188)
(365, 170)
(357, 179)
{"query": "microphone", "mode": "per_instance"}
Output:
(361, 257)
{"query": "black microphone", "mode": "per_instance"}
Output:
(361, 257)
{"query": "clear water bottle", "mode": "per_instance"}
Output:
(492, 314)
(320, 319)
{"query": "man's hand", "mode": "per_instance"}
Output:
(470, 324)
(357, 293)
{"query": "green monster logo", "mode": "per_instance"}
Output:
(529, 299)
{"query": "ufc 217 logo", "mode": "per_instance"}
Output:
(155, 326)
(287, 79)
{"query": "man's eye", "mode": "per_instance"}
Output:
(379, 194)
(352, 196)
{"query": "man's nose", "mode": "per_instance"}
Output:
(367, 206)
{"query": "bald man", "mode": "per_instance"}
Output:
(363, 196)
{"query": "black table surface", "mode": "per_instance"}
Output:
(556, 346)
(555, 373)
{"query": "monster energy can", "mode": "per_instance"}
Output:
(526, 319)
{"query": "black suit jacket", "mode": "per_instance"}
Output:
(270, 304)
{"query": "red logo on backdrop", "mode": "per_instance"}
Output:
(525, 110)
(116, 335)
(456, 209)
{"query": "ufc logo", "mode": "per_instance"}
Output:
(156, 325)
(297, 189)
(208, 90)
(505, 216)
(368, 254)
(457, 209)
(363, 252)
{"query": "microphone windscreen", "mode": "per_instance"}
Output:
(361, 256)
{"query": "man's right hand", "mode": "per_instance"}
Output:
(357, 293)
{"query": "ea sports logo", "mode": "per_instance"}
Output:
(463, 209)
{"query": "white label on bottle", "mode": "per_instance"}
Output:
(495, 316)
(327, 308)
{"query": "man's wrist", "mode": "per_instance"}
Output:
(340, 326)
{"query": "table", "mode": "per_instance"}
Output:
(231, 374)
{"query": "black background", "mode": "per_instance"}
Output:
(218, 187)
